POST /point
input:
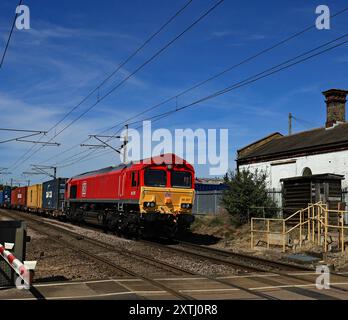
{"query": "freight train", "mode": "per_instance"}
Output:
(152, 197)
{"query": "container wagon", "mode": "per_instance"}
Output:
(53, 196)
(19, 198)
(5, 199)
(34, 198)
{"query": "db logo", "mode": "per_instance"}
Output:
(84, 189)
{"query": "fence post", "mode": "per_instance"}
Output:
(313, 224)
(268, 230)
(342, 231)
(326, 229)
(318, 222)
(252, 234)
(283, 235)
(300, 228)
(309, 223)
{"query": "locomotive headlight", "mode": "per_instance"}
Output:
(149, 204)
(186, 205)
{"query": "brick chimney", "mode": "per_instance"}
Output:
(336, 106)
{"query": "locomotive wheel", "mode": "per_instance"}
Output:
(132, 231)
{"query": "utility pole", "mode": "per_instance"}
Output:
(122, 150)
(125, 149)
(290, 123)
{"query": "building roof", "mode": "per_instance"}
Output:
(316, 177)
(313, 141)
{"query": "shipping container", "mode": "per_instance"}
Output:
(34, 197)
(53, 194)
(6, 197)
(19, 198)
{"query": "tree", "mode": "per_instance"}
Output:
(246, 189)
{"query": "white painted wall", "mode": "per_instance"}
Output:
(333, 162)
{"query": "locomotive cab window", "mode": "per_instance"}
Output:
(73, 192)
(181, 179)
(155, 178)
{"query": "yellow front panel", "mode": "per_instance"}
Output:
(34, 196)
(167, 200)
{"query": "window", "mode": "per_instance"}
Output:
(73, 192)
(306, 172)
(155, 178)
(181, 179)
(134, 179)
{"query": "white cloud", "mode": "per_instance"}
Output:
(239, 35)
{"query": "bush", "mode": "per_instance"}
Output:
(246, 189)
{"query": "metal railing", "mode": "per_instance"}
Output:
(313, 222)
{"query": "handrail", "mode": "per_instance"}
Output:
(314, 220)
(293, 215)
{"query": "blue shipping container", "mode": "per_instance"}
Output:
(7, 195)
(53, 194)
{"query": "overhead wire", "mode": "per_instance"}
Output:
(9, 37)
(159, 52)
(266, 73)
(248, 59)
(118, 68)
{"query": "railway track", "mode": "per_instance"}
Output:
(236, 260)
(242, 260)
(123, 252)
(42, 226)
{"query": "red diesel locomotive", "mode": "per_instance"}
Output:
(152, 197)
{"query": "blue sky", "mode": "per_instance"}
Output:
(73, 45)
